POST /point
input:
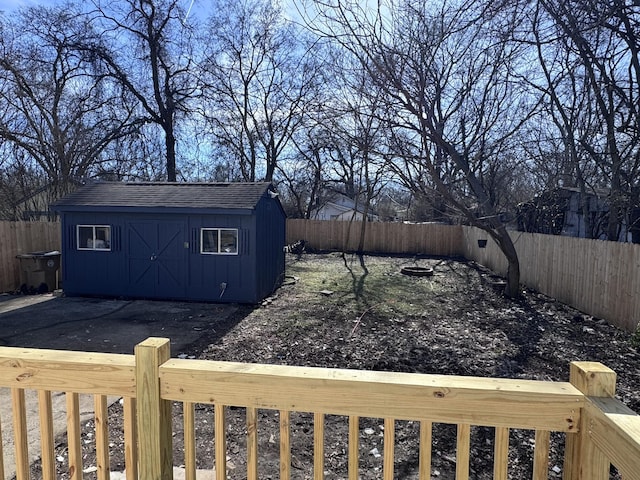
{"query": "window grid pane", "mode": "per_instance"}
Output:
(220, 241)
(94, 237)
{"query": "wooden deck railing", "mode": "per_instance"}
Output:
(598, 429)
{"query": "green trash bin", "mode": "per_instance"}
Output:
(39, 271)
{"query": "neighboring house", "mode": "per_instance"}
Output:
(560, 212)
(340, 207)
(221, 242)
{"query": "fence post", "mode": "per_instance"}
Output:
(155, 455)
(582, 459)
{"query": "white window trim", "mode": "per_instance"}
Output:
(91, 249)
(219, 230)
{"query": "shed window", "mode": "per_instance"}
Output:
(222, 241)
(94, 237)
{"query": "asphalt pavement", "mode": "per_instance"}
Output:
(107, 325)
(98, 325)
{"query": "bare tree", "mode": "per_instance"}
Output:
(260, 79)
(595, 92)
(451, 102)
(304, 177)
(58, 112)
(147, 46)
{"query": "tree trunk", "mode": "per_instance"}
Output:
(170, 142)
(507, 247)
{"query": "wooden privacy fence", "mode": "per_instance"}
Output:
(598, 429)
(379, 237)
(23, 237)
(597, 277)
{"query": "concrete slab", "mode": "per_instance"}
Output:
(97, 325)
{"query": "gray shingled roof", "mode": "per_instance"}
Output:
(170, 195)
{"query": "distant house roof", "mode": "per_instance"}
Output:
(103, 196)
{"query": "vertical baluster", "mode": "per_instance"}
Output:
(130, 439)
(501, 454)
(389, 448)
(2, 455)
(318, 446)
(426, 439)
(102, 436)
(47, 446)
(221, 442)
(285, 445)
(252, 444)
(541, 455)
(463, 451)
(20, 433)
(73, 436)
(189, 420)
(354, 450)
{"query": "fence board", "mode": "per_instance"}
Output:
(23, 237)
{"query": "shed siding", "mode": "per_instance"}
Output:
(270, 240)
(208, 273)
(156, 252)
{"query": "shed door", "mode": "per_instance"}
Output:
(157, 259)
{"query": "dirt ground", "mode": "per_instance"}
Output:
(362, 313)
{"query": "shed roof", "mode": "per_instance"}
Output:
(103, 195)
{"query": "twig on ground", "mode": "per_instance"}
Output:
(361, 317)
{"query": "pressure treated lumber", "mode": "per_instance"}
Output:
(47, 445)
(20, 433)
(426, 438)
(130, 438)
(615, 430)
(501, 454)
(583, 460)
(74, 439)
(285, 445)
(68, 371)
(154, 413)
(404, 396)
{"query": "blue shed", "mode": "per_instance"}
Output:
(221, 242)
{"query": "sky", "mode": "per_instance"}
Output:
(12, 5)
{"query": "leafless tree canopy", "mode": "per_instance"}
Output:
(456, 110)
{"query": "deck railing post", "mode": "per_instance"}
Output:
(155, 448)
(582, 459)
